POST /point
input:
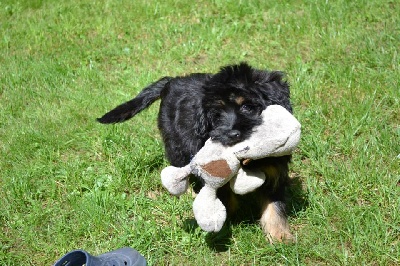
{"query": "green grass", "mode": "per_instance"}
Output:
(67, 182)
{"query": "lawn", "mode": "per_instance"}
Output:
(67, 182)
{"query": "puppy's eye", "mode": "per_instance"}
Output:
(248, 108)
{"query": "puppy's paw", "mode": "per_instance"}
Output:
(275, 235)
(275, 225)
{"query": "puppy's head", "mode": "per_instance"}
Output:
(235, 97)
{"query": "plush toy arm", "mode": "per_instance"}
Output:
(208, 210)
(175, 179)
(247, 181)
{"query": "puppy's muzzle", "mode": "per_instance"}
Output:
(226, 137)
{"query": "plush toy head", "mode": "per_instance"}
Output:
(278, 135)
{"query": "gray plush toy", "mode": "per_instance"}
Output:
(278, 135)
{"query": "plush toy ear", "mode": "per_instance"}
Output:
(175, 179)
(247, 181)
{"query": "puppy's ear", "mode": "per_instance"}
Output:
(201, 124)
(275, 88)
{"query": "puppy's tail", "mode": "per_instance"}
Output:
(143, 100)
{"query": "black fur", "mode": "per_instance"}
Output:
(225, 106)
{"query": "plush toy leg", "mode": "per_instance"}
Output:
(175, 179)
(246, 181)
(208, 210)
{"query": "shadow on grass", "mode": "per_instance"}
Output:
(220, 241)
(297, 200)
(217, 242)
(147, 164)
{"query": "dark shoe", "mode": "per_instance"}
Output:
(120, 257)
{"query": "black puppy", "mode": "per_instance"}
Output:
(225, 107)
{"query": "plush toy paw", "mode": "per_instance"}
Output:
(208, 210)
(175, 179)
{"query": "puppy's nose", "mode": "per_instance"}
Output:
(234, 134)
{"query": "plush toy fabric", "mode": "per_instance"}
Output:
(278, 135)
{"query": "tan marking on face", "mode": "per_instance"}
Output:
(239, 100)
(221, 102)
